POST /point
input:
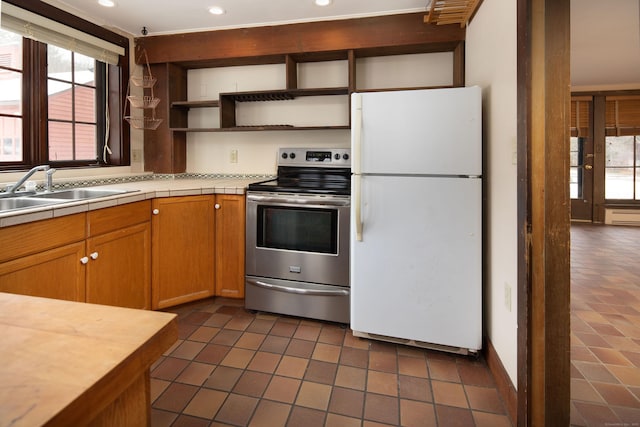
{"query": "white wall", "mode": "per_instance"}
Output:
(210, 152)
(491, 64)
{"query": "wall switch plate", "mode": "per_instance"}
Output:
(136, 156)
(234, 156)
(507, 296)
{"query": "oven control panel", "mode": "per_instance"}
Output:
(321, 157)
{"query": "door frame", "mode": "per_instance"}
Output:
(544, 115)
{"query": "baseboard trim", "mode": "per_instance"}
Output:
(503, 382)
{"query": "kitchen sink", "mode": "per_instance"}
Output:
(13, 203)
(31, 200)
(79, 194)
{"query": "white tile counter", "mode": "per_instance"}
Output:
(142, 190)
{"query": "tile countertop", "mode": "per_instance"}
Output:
(141, 190)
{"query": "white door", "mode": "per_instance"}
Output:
(417, 274)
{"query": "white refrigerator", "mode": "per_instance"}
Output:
(416, 217)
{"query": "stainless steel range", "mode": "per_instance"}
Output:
(297, 252)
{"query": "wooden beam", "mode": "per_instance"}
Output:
(543, 213)
(366, 36)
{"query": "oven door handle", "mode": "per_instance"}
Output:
(291, 290)
(292, 201)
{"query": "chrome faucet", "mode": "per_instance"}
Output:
(17, 185)
(49, 184)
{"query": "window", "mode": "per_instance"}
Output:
(580, 132)
(72, 89)
(622, 168)
(575, 172)
(11, 97)
(622, 148)
(54, 105)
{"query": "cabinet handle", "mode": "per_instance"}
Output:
(84, 260)
(94, 255)
(156, 211)
(217, 206)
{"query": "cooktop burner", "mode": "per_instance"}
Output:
(318, 171)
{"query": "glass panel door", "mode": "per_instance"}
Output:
(581, 178)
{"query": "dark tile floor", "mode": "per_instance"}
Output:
(234, 367)
(605, 325)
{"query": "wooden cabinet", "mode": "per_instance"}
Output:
(119, 256)
(182, 247)
(195, 244)
(230, 245)
(43, 258)
(56, 273)
(100, 257)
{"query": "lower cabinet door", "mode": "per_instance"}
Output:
(182, 248)
(230, 243)
(56, 273)
(119, 267)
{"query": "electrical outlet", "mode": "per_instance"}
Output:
(507, 296)
(234, 156)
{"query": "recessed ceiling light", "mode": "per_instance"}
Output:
(323, 2)
(216, 10)
(106, 3)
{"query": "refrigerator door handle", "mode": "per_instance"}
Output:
(356, 133)
(357, 196)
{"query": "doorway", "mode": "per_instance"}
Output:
(581, 178)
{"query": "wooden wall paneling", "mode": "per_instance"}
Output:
(370, 36)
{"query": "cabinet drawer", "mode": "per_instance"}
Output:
(110, 219)
(25, 239)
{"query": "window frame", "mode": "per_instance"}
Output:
(34, 95)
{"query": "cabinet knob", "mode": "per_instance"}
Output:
(156, 211)
(84, 259)
(217, 206)
(94, 255)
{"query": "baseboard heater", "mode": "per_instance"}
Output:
(617, 216)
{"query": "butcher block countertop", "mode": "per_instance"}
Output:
(68, 364)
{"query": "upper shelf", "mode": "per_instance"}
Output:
(281, 95)
(195, 104)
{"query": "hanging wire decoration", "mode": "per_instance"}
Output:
(145, 102)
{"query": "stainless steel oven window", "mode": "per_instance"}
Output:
(298, 229)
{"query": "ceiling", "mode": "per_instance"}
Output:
(605, 41)
(171, 16)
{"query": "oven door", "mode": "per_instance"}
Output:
(298, 237)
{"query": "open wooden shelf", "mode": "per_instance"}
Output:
(258, 128)
(195, 104)
(282, 95)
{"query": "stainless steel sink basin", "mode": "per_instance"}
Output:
(79, 194)
(13, 203)
(30, 200)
